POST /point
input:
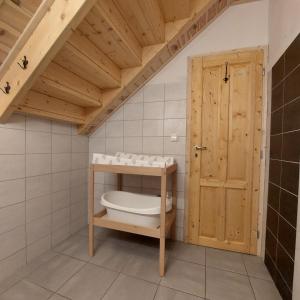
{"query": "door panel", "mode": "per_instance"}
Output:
(223, 119)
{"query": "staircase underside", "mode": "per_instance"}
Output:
(86, 57)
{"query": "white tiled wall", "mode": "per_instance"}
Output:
(43, 188)
(144, 124)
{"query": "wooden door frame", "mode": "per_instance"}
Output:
(257, 186)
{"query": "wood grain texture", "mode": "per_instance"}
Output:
(58, 23)
(225, 118)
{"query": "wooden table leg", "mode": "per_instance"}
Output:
(120, 181)
(162, 242)
(162, 249)
(174, 204)
(91, 239)
(91, 211)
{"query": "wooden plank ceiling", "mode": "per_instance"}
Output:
(97, 52)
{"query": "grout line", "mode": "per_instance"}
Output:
(109, 287)
(277, 240)
(285, 104)
(275, 265)
(286, 75)
(282, 188)
(248, 276)
(278, 212)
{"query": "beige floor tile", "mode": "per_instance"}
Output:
(256, 268)
(129, 288)
(55, 272)
(143, 264)
(25, 270)
(222, 285)
(225, 260)
(185, 276)
(111, 255)
(188, 252)
(164, 293)
(91, 282)
(25, 290)
(76, 246)
(57, 297)
(264, 290)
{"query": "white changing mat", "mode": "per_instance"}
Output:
(130, 159)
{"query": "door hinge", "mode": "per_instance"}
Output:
(263, 71)
(258, 234)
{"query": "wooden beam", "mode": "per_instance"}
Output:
(50, 107)
(145, 19)
(25, 34)
(63, 84)
(83, 58)
(40, 48)
(178, 35)
(108, 30)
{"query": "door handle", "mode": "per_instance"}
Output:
(197, 147)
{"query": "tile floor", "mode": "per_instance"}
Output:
(126, 267)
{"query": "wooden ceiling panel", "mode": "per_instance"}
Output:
(14, 16)
(175, 10)
(62, 84)
(145, 19)
(86, 57)
(82, 57)
(29, 5)
(50, 107)
(108, 30)
(2, 56)
(7, 39)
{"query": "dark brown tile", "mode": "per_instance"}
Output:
(287, 236)
(290, 177)
(291, 116)
(278, 71)
(272, 221)
(276, 121)
(288, 207)
(292, 55)
(270, 264)
(292, 86)
(283, 288)
(277, 97)
(271, 245)
(275, 171)
(276, 146)
(285, 266)
(273, 196)
(291, 146)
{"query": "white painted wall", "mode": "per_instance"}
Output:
(241, 26)
(144, 123)
(284, 26)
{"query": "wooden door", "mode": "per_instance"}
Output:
(225, 120)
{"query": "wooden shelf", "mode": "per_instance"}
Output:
(101, 219)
